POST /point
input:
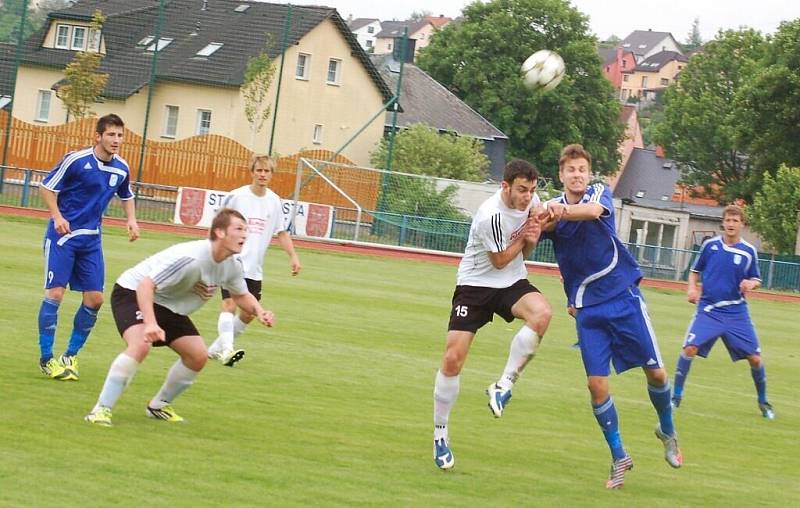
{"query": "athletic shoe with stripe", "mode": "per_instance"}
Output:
(100, 416)
(54, 370)
(767, 411)
(498, 399)
(230, 358)
(616, 478)
(442, 455)
(672, 454)
(165, 413)
(70, 363)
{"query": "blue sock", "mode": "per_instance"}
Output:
(681, 373)
(760, 379)
(48, 319)
(82, 325)
(659, 396)
(606, 415)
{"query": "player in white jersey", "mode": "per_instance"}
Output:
(492, 279)
(261, 208)
(151, 303)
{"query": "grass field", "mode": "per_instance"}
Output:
(333, 406)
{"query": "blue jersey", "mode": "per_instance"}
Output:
(594, 263)
(85, 185)
(724, 267)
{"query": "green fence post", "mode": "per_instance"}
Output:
(150, 86)
(26, 188)
(17, 58)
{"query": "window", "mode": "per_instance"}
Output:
(170, 122)
(303, 62)
(369, 43)
(210, 49)
(163, 42)
(664, 81)
(62, 37)
(644, 81)
(43, 105)
(317, 137)
(370, 29)
(78, 38)
(626, 45)
(241, 8)
(334, 71)
(624, 63)
(640, 194)
(659, 239)
(642, 46)
(203, 121)
(389, 46)
(94, 40)
(145, 40)
(625, 77)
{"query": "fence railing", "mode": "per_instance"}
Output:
(20, 187)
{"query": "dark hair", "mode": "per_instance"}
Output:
(733, 210)
(222, 220)
(108, 120)
(519, 168)
(574, 151)
(264, 159)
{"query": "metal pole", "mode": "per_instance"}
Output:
(17, 58)
(284, 44)
(150, 86)
(403, 45)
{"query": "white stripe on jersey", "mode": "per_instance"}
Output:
(69, 159)
(593, 277)
(740, 252)
(77, 232)
(653, 340)
(723, 303)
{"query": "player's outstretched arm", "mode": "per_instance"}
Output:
(285, 239)
(130, 212)
(145, 296)
(249, 304)
(693, 291)
(50, 199)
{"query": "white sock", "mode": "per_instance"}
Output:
(120, 375)
(179, 378)
(445, 393)
(523, 349)
(238, 327)
(224, 342)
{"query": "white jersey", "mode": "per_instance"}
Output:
(264, 216)
(176, 270)
(494, 227)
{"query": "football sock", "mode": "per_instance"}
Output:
(439, 432)
(681, 372)
(82, 325)
(48, 319)
(660, 397)
(238, 326)
(523, 349)
(224, 341)
(606, 415)
(760, 380)
(120, 375)
(445, 393)
(179, 378)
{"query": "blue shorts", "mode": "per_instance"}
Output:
(617, 331)
(76, 261)
(735, 329)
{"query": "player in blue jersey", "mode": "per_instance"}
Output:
(601, 281)
(729, 268)
(77, 192)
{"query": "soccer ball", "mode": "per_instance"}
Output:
(543, 70)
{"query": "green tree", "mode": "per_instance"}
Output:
(479, 58)
(423, 151)
(693, 39)
(701, 123)
(769, 103)
(611, 42)
(83, 85)
(10, 18)
(258, 76)
(774, 212)
(418, 15)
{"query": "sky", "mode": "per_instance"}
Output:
(607, 17)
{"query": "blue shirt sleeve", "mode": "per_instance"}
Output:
(702, 259)
(56, 179)
(753, 272)
(600, 194)
(124, 190)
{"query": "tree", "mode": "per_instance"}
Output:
(610, 43)
(774, 213)
(693, 39)
(479, 60)
(421, 150)
(83, 84)
(769, 103)
(701, 122)
(419, 15)
(258, 75)
(44, 7)
(10, 18)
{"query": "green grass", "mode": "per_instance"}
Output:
(333, 406)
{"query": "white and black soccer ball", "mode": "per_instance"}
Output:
(543, 70)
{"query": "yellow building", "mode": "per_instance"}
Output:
(651, 75)
(328, 91)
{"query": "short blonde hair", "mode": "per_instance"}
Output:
(260, 158)
(574, 151)
(734, 210)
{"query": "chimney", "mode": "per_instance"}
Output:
(659, 151)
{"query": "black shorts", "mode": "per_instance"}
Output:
(474, 306)
(253, 287)
(126, 313)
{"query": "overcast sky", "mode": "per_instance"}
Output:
(608, 17)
